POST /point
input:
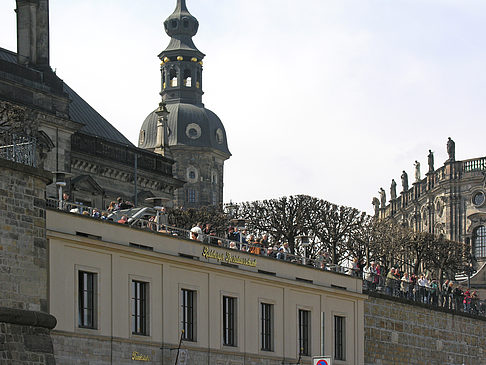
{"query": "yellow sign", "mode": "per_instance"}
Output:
(139, 357)
(228, 257)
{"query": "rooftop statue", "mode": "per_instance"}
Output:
(382, 197)
(430, 159)
(451, 150)
(417, 171)
(376, 205)
(393, 189)
(404, 181)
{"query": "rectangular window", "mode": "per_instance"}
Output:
(304, 332)
(188, 307)
(339, 338)
(87, 282)
(229, 321)
(267, 326)
(191, 196)
(139, 308)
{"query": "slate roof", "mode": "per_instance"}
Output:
(181, 115)
(94, 124)
(80, 111)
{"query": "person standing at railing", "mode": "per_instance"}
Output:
(467, 301)
(458, 296)
(421, 282)
(434, 293)
(390, 277)
(198, 230)
(405, 286)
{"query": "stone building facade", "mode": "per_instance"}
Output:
(449, 200)
(80, 147)
(191, 134)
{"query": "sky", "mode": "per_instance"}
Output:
(330, 98)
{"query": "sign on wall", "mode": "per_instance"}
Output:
(322, 360)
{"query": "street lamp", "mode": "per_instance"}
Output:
(60, 185)
(304, 242)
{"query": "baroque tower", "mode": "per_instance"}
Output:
(190, 134)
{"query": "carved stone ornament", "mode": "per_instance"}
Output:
(193, 131)
(18, 120)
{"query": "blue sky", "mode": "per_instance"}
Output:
(327, 98)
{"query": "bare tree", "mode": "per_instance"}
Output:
(284, 218)
(334, 227)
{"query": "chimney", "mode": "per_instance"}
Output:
(33, 33)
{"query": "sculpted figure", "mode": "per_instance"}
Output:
(393, 189)
(376, 205)
(430, 159)
(451, 150)
(417, 171)
(404, 181)
(382, 197)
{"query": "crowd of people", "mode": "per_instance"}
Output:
(422, 288)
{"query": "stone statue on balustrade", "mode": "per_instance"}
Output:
(404, 181)
(393, 189)
(430, 159)
(451, 150)
(382, 198)
(376, 205)
(417, 171)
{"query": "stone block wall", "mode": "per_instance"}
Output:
(24, 324)
(398, 332)
(23, 243)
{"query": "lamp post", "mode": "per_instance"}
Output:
(304, 242)
(60, 185)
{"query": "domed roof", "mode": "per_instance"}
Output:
(189, 125)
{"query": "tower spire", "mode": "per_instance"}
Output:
(181, 61)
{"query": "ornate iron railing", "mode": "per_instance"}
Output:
(17, 148)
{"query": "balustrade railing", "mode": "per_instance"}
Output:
(18, 148)
(320, 262)
(477, 164)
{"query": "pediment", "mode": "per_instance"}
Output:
(86, 183)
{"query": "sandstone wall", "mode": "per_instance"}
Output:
(23, 243)
(24, 323)
(397, 332)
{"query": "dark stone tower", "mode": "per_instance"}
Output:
(33, 33)
(194, 135)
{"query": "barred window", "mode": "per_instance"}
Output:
(304, 332)
(188, 307)
(266, 326)
(139, 308)
(339, 338)
(87, 283)
(479, 242)
(229, 321)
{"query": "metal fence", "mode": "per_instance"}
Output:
(454, 299)
(151, 221)
(18, 148)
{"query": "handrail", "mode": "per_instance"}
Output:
(250, 248)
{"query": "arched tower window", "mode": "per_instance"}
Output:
(163, 80)
(173, 78)
(198, 79)
(479, 242)
(187, 78)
